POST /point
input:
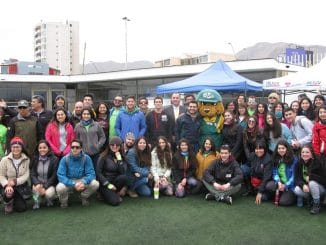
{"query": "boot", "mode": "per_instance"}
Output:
(9, 206)
(249, 190)
(315, 207)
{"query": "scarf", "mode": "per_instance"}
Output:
(86, 123)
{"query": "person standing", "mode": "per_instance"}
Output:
(130, 120)
(60, 133)
(43, 115)
(187, 126)
(76, 114)
(158, 123)
(76, 172)
(91, 134)
(174, 111)
(301, 128)
(114, 112)
(25, 126)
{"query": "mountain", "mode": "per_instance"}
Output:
(264, 50)
(109, 66)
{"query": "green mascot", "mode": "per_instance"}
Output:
(211, 109)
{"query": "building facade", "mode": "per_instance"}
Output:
(57, 44)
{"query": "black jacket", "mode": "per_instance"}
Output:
(261, 168)
(43, 118)
(159, 124)
(318, 171)
(107, 170)
(181, 169)
(223, 173)
(233, 138)
(52, 171)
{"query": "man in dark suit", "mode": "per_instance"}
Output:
(174, 111)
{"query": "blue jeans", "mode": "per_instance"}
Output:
(245, 170)
(143, 190)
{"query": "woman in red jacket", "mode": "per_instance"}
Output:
(60, 133)
(319, 133)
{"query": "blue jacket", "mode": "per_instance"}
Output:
(76, 167)
(290, 172)
(130, 122)
(133, 165)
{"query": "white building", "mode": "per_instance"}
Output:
(57, 44)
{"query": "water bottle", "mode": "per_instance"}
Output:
(277, 197)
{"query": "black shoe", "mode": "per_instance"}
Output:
(209, 197)
(226, 199)
(315, 208)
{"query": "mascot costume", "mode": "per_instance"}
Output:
(211, 109)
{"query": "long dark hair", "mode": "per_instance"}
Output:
(310, 112)
(213, 147)
(181, 159)
(144, 157)
(251, 136)
(276, 128)
(54, 118)
(287, 158)
(265, 108)
(98, 106)
(165, 155)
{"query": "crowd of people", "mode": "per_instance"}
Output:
(274, 150)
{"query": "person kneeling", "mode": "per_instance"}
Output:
(76, 172)
(223, 177)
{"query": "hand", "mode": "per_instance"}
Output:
(3, 103)
(305, 188)
(113, 187)
(157, 184)
(217, 186)
(226, 186)
(137, 175)
(11, 182)
(79, 186)
(281, 186)
(150, 176)
(9, 191)
(183, 182)
(258, 198)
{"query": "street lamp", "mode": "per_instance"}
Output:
(126, 41)
(233, 51)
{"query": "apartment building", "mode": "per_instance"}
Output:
(57, 44)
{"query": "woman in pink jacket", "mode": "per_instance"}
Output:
(60, 133)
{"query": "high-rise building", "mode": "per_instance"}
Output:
(57, 44)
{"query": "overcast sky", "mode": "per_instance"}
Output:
(160, 29)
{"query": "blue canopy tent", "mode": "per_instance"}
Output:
(219, 77)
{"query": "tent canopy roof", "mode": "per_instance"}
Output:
(219, 77)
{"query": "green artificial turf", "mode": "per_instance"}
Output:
(169, 220)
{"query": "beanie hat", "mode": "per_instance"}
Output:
(115, 140)
(60, 96)
(275, 95)
(130, 135)
(16, 140)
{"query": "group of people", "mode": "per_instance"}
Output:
(276, 151)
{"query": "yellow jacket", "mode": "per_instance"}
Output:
(204, 162)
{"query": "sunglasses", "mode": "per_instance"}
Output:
(116, 145)
(22, 107)
(143, 103)
(75, 147)
(251, 121)
(272, 98)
